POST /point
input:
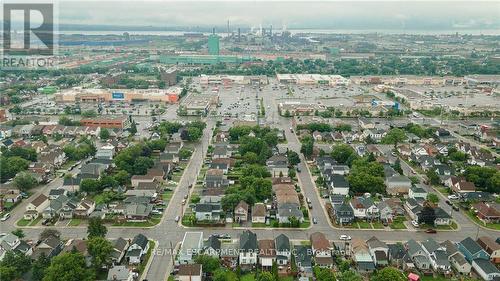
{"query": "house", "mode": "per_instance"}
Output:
(317, 136)
(417, 191)
(221, 166)
(80, 246)
(267, 253)
(259, 213)
(40, 203)
(361, 256)
(137, 179)
(396, 205)
(379, 251)
(386, 212)
(442, 217)
(212, 246)
(364, 208)
(485, 269)
(344, 214)
(137, 249)
(192, 243)
(283, 249)
(229, 254)
(248, 249)
(92, 170)
(8, 242)
(491, 247)
(459, 263)
(288, 210)
(121, 273)
(221, 151)
(418, 255)
(54, 207)
(207, 212)
(437, 255)
(215, 178)
(487, 212)
(137, 211)
(84, 208)
(241, 212)
(50, 246)
(278, 165)
(105, 152)
(189, 272)
(472, 250)
(338, 185)
(321, 249)
(303, 258)
(462, 186)
(54, 193)
(71, 184)
(397, 185)
(120, 247)
(397, 253)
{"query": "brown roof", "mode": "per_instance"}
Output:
(323, 260)
(267, 248)
(156, 172)
(242, 205)
(215, 172)
(39, 200)
(280, 180)
(319, 242)
(487, 210)
(78, 244)
(142, 177)
(190, 269)
(259, 210)
(467, 185)
(488, 244)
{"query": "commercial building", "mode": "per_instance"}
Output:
(170, 95)
(169, 76)
(313, 79)
(198, 104)
(407, 80)
(120, 122)
(204, 59)
(233, 79)
(299, 108)
(213, 45)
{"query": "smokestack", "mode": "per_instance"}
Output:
(213, 31)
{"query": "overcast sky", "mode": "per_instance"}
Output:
(325, 14)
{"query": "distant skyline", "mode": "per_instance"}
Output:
(369, 15)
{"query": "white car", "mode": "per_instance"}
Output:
(177, 219)
(345, 237)
(5, 217)
(453, 197)
(414, 223)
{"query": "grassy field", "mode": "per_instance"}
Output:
(364, 225)
(154, 220)
(397, 223)
(75, 222)
(23, 222)
(248, 277)
(378, 225)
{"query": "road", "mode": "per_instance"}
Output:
(168, 233)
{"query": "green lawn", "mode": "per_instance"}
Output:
(248, 277)
(167, 195)
(23, 222)
(473, 217)
(258, 224)
(364, 225)
(378, 225)
(146, 258)
(74, 222)
(35, 221)
(154, 220)
(397, 223)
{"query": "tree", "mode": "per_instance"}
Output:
(142, 164)
(104, 134)
(14, 265)
(388, 273)
(89, 185)
(39, 267)
(394, 136)
(251, 157)
(265, 276)
(433, 198)
(427, 215)
(209, 264)
(46, 233)
(25, 181)
(224, 275)
(69, 266)
(293, 157)
(323, 274)
(484, 178)
(11, 166)
(133, 128)
(100, 250)
(89, 113)
(122, 177)
(274, 270)
(397, 166)
(350, 275)
(432, 176)
(96, 228)
(342, 152)
(307, 147)
(185, 153)
(19, 233)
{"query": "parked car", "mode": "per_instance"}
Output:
(455, 208)
(315, 221)
(177, 218)
(5, 217)
(453, 197)
(414, 223)
(183, 201)
(431, 231)
(345, 237)
(448, 202)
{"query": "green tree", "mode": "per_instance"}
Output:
(224, 275)
(96, 228)
(433, 198)
(90, 185)
(265, 276)
(323, 274)
(185, 153)
(142, 164)
(89, 113)
(307, 147)
(251, 157)
(394, 136)
(39, 266)
(19, 233)
(24, 181)
(342, 153)
(11, 166)
(69, 266)
(133, 128)
(350, 275)
(432, 177)
(209, 264)
(100, 250)
(14, 265)
(104, 134)
(293, 157)
(427, 215)
(388, 273)
(122, 177)
(274, 270)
